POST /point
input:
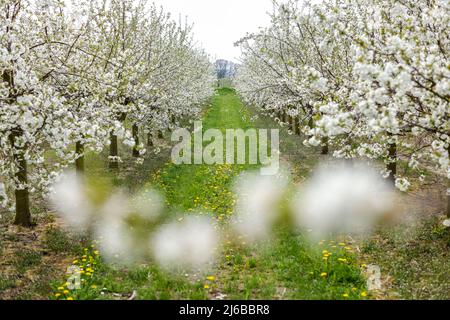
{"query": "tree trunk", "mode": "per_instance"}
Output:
(448, 201)
(392, 165)
(150, 140)
(289, 121)
(113, 152)
(325, 146)
(23, 214)
(310, 125)
(79, 163)
(448, 191)
(135, 130)
(294, 125)
(297, 125)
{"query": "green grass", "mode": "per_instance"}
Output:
(289, 267)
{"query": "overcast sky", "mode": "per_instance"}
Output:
(220, 23)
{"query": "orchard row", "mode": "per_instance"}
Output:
(79, 76)
(363, 78)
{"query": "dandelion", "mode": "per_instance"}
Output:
(364, 294)
(206, 286)
(69, 298)
(324, 274)
(345, 295)
(66, 291)
(211, 278)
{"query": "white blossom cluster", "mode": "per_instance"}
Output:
(337, 199)
(71, 72)
(370, 78)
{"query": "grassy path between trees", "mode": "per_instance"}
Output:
(289, 268)
(413, 257)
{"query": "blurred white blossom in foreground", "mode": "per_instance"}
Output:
(447, 223)
(69, 198)
(343, 199)
(111, 230)
(148, 204)
(257, 206)
(190, 243)
(3, 195)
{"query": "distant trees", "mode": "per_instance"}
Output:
(225, 69)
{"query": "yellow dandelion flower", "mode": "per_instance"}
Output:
(57, 295)
(60, 288)
(324, 274)
(211, 278)
(69, 298)
(66, 291)
(75, 262)
(342, 260)
(94, 286)
(345, 295)
(206, 286)
(363, 294)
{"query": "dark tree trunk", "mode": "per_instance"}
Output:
(392, 165)
(114, 146)
(135, 130)
(113, 152)
(448, 192)
(448, 201)
(289, 120)
(294, 124)
(150, 140)
(79, 163)
(297, 125)
(23, 214)
(310, 124)
(325, 146)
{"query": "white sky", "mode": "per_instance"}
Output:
(218, 24)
